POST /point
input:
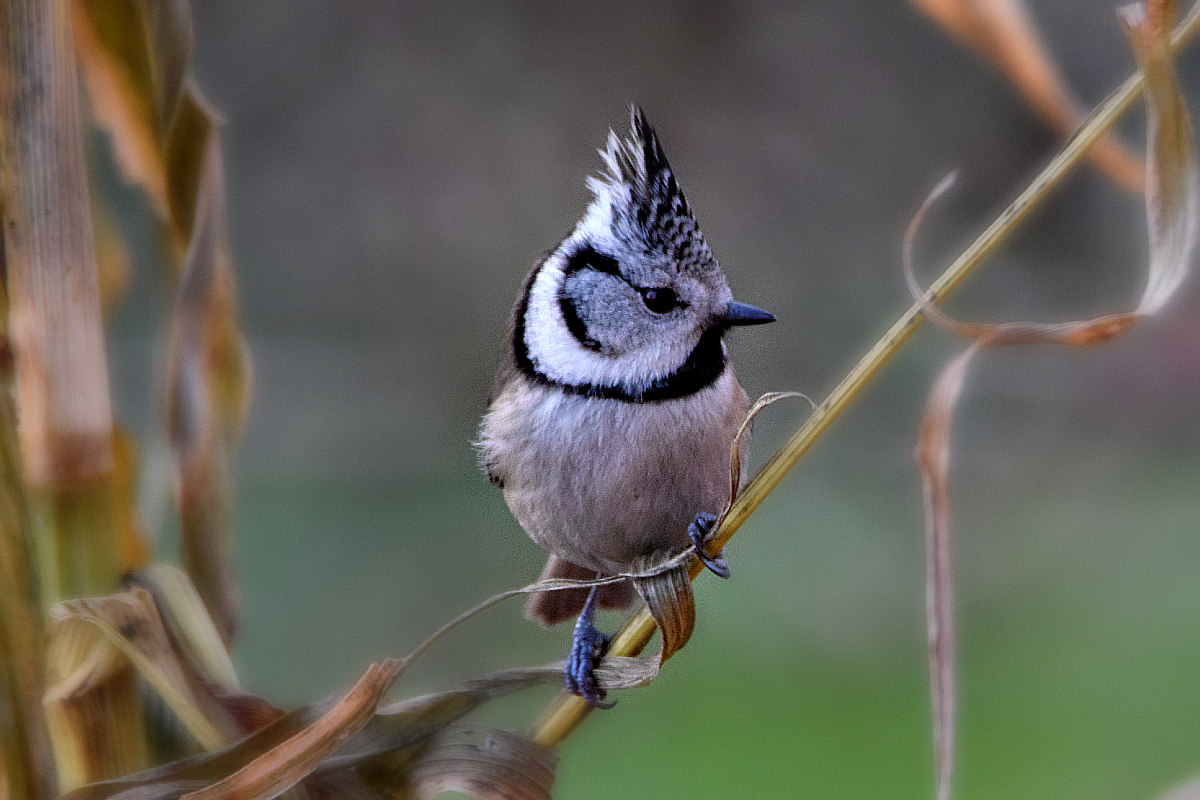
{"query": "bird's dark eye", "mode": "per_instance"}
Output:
(660, 301)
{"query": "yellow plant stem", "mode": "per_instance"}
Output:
(54, 322)
(26, 758)
(76, 529)
(62, 395)
(567, 711)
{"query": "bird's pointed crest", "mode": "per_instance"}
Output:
(641, 197)
(637, 163)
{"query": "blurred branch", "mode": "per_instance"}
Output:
(567, 711)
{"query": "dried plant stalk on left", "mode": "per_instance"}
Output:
(62, 393)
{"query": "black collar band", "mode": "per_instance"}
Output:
(701, 369)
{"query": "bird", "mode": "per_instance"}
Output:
(614, 406)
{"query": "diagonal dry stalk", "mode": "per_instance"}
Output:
(567, 711)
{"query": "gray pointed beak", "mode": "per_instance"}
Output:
(742, 314)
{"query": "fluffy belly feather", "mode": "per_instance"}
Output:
(601, 482)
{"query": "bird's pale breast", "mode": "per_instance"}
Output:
(601, 482)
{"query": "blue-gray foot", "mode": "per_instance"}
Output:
(587, 648)
(698, 532)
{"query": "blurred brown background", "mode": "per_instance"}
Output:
(394, 169)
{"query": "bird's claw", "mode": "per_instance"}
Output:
(588, 646)
(698, 532)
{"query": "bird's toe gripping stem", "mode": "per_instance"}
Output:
(587, 648)
(698, 532)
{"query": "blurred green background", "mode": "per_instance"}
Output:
(395, 168)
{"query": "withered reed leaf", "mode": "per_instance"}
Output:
(933, 455)
(668, 596)
(91, 692)
(285, 765)
(127, 626)
(135, 56)
(484, 764)
(191, 630)
(1172, 175)
(208, 377)
(304, 743)
(195, 123)
(170, 781)
(740, 444)
(1172, 191)
(1003, 32)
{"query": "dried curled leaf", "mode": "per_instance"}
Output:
(933, 455)
(207, 394)
(485, 764)
(1172, 175)
(741, 444)
(135, 56)
(1002, 32)
(1173, 217)
(668, 596)
(286, 764)
(310, 746)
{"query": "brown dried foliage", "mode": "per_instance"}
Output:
(1172, 196)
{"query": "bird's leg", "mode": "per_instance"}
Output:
(698, 532)
(587, 648)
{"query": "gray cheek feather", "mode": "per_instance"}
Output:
(601, 482)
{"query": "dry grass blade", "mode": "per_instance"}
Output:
(282, 767)
(191, 630)
(384, 749)
(1171, 206)
(485, 764)
(737, 449)
(135, 54)
(90, 693)
(1002, 32)
(623, 672)
(129, 624)
(1172, 175)
(933, 455)
(207, 391)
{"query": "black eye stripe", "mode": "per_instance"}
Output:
(588, 258)
(575, 324)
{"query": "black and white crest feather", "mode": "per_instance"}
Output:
(643, 200)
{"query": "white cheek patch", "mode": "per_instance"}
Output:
(558, 355)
